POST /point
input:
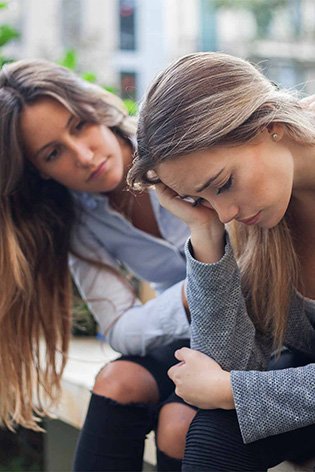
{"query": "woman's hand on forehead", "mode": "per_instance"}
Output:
(207, 231)
(185, 208)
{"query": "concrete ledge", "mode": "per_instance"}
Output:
(86, 357)
(308, 466)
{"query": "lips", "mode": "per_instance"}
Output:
(98, 171)
(252, 220)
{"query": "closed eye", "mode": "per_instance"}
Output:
(80, 125)
(52, 155)
(225, 187)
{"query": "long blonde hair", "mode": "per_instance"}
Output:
(36, 219)
(212, 99)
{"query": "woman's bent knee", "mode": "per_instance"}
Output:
(126, 382)
(214, 443)
(174, 422)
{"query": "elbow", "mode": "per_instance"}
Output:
(126, 345)
(115, 342)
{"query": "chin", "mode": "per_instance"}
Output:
(113, 184)
(273, 222)
(268, 225)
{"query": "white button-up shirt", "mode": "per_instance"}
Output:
(104, 235)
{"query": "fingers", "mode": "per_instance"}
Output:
(168, 197)
(181, 354)
(172, 372)
(162, 189)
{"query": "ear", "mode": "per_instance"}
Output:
(276, 131)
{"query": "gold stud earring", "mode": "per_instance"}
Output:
(275, 136)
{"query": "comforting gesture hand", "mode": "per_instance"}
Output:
(200, 381)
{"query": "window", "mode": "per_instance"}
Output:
(127, 30)
(71, 23)
(128, 85)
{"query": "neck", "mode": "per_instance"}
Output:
(127, 152)
(304, 170)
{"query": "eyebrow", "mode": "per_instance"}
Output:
(209, 181)
(68, 125)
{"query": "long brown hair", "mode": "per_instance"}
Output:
(36, 219)
(212, 99)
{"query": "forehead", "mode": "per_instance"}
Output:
(41, 121)
(184, 173)
(42, 109)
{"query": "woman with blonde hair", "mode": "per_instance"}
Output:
(65, 149)
(234, 157)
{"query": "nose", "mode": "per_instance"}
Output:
(226, 212)
(83, 153)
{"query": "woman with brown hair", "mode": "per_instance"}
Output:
(65, 149)
(234, 157)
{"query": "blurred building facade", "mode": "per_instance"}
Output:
(126, 42)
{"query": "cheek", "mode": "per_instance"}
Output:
(63, 173)
(260, 186)
(107, 140)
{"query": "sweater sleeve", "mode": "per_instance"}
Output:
(130, 326)
(220, 325)
(273, 402)
(267, 403)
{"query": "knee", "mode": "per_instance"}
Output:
(214, 442)
(126, 382)
(173, 424)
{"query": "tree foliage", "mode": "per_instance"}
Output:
(70, 60)
(7, 34)
(263, 10)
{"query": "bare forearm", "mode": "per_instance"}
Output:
(207, 245)
(227, 399)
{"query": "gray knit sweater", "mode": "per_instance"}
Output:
(267, 402)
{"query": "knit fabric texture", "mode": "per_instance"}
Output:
(267, 402)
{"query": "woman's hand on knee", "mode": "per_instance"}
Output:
(200, 381)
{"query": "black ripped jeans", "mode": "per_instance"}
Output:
(113, 435)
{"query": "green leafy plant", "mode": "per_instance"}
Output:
(83, 322)
(70, 60)
(7, 34)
